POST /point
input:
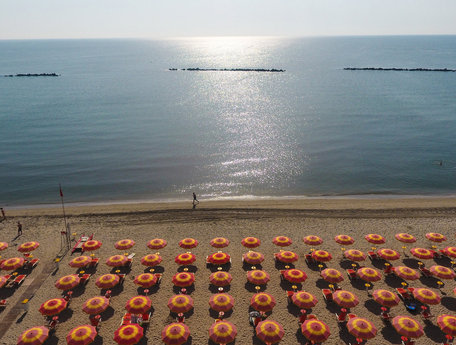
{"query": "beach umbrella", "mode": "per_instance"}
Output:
(124, 244)
(34, 336)
(91, 245)
(81, 335)
(426, 296)
(262, 302)
(53, 306)
(219, 258)
(406, 273)
(157, 243)
(220, 242)
(407, 327)
(345, 299)
(3, 281)
(375, 238)
(185, 259)
(3, 245)
(294, 275)
(253, 258)
(286, 256)
(361, 328)
(188, 243)
(28, 247)
(222, 332)
(151, 260)
(80, 261)
(442, 272)
(145, 280)
(67, 282)
(385, 298)
(221, 302)
(321, 255)
(95, 305)
(450, 251)
(344, 239)
(315, 330)
(250, 242)
(138, 305)
(369, 274)
(117, 260)
(175, 334)
(354, 255)
(447, 324)
(404, 237)
(304, 300)
(128, 334)
(388, 254)
(332, 275)
(312, 240)
(183, 279)
(12, 264)
(269, 331)
(282, 241)
(435, 237)
(220, 278)
(107, 281)
(422, 253)
(180, 303)
(258, 277)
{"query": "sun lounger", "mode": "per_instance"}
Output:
(180, 318)
(52, 325)
(425, 312)
(372, 255)
(94, 262)
(95, 321)
(404, 294)
(407, 341)
(108, 294)
(122, 278)
(385, 315)
(327, 295)
(126, 319)
(80, 242)
(290, 294)
(449, 340)
(425, 271)
(3, 303)
(342, 316)
(32, 263)
(309, 259)
(68, 296)
(159, 277)
(351, 274)
(84, 279)
(17, 281)
(145, 319)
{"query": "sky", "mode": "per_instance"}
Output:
(35, 19)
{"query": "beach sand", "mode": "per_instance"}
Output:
(234, 220)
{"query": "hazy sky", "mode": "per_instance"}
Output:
(175, 18)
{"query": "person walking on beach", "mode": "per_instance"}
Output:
(3, 213)
(195, 201)
(19, 228)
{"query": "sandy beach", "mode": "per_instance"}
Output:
(234, 220)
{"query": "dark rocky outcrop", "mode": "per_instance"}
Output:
(32, 75)
(399, 69)
(228, 69)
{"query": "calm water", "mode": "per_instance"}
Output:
(117, 125)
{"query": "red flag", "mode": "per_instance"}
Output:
(61, 193)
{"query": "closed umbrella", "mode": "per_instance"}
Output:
(407, 327)
(315, 330)
(175, 334)
(107, 281)
(250, 242)
(53, 306)
(34, 336)
(157, 243)
(151, 260)
(95, 305)
(282, 241)
(361, 328)
(269, 331)
(81, 335)
(262, 302)
(188, 243)
(124, 244)
(180, 303)
(345, 299)
(221, 302)
(294, 275)
(220, 278)
(128, 334)
(183, 279)
(253, 258)
(222, 332)
(219, 242)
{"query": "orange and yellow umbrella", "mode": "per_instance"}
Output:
(442, 272)
(157, 243)
(422, 253)
(91, 245)
(151, 260)
(34, 336)
(253, 258)
(3, 281)
(180, 303)
(220, 242)
(124, 244)
(312, 240)
(435, 237)
(294, 275)
(67, 282)
(315, 330)
(369, 274)
(269, 331)
(405, 238)
(344, 239)
(95, 305)
(375, 238)
(303, 299)
(426, 296)
(220, 278)
(188, 243)
(388, 254)
(332, 275)
(80, 261)
(128, 334)
(361, 328)
(447, 324)
(282, 241)
(407, 327)
(183, 279)
(175, 334)
(185, 259)
(287, 256)
(345, 299)
(262, 302)
(53, 306)
(250, 242)
(3, 245)
(145, 280)
(12, 264)
(354, 255)
(138, 305)
(221, 302)
(222, 332)
(450, 251)
(117, 260)
(28, 247)
(81, 335)
(406, 273)
(219, 258)
(385, 298)
(321, 255)
(107, 281)
(258, 277)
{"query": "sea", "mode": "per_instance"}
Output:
(117, 125)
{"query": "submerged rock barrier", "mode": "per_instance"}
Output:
(32, 75)
(399, 69)
(228, 69)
